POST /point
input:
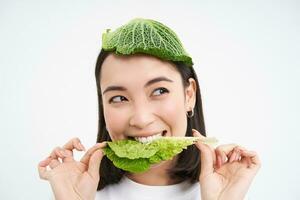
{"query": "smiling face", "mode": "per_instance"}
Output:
(144, 96)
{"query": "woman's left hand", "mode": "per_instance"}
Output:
(227, 171)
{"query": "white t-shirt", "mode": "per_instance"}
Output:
(127, 189)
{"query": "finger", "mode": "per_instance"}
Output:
(232, 157)
(45, 162)
(54, 163)
(222, 157)
(56, 153)
(246, 161)
(243, 159)
(85, 159)
(219, 161)
(94, 164)
(230, 152)
(74, 144)
(67, 156)
(42, 168)
(227, 148)
(237, 156)
(254, 159)
(207, 156)
(198, 134)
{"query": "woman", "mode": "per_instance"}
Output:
(147, 87)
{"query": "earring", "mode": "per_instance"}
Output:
(190, 114)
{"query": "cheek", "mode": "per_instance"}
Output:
(115, 123)
(173, 114)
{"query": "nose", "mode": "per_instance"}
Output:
(142, 116)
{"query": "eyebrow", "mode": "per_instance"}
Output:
(150, 82)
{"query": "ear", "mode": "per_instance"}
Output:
(190, 95)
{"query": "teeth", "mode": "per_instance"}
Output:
(149, 138)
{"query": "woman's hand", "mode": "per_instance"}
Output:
(227, 171)
(71, 179)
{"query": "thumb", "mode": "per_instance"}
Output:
(207, 155)
(94, 164)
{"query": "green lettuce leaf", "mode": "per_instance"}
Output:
(133, 156)
(131, 165)
(132, 149)
(168, 148)
(146, 36)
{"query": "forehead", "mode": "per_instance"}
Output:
(137, 68)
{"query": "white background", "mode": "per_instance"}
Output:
(246, 54)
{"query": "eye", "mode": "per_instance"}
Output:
(117, 99)
(160, 91)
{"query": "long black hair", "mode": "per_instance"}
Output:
(188, 163)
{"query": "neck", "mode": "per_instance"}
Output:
(156, 175)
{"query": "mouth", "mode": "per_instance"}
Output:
(150, 138)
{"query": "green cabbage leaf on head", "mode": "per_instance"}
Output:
(146, 36)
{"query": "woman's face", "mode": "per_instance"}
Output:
(144, 96)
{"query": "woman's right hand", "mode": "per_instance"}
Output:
(71, 179)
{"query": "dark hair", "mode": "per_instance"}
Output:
(188, 163)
